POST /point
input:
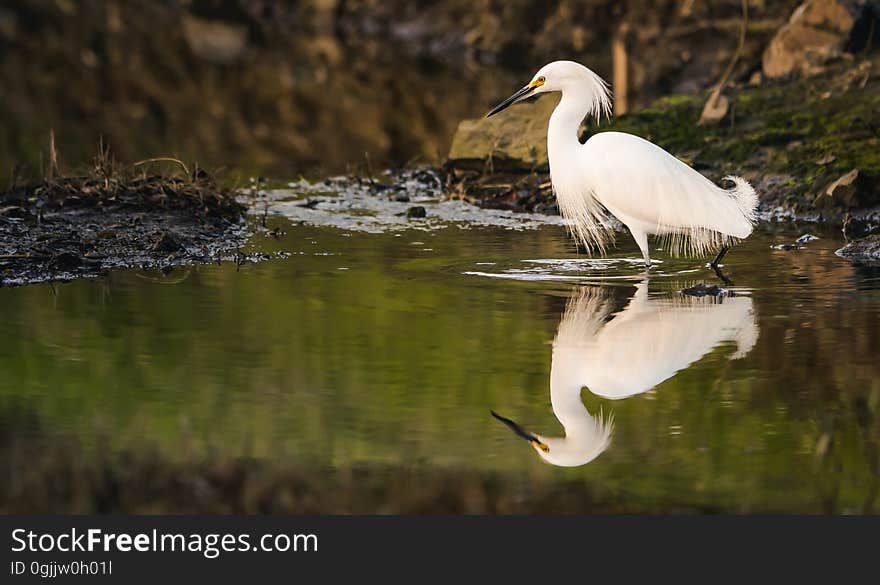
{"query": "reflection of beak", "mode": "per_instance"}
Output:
(520, 95)
(535, 441)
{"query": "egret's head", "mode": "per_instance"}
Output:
(557, 76)
(585, 443)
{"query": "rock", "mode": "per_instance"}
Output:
(805, 239)
(797, 245)
(851, 190)
(416, 212)
(703, 290)
(515, 139)
(65, 261)
(215, 41)
(167, 242)
(865, 251)
(817, 32)
(855, 228)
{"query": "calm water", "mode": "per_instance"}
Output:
(392, 348)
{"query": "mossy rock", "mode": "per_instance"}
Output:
(793, 139)
(515, 140)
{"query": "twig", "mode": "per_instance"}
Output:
(53, 156)
(716, 92)
(369, 168)
(162, 159)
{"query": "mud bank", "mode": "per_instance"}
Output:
(74, 227)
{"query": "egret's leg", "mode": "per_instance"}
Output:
(641, 239)
(719, 274)
(721, 254)
(717, 269)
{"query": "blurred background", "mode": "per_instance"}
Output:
(319, 86)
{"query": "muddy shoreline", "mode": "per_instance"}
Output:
(65, 228)
(45, 238)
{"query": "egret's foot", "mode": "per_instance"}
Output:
(716, 268)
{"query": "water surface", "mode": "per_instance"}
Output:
(391, 348)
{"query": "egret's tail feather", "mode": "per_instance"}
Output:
(723, 217)
(746, 198)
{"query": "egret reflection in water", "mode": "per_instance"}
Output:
(632, 352)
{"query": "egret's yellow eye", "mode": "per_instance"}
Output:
(541, 79)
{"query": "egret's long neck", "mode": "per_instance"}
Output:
(565, 398)
(565, 123)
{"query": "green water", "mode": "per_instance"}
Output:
(364, 349)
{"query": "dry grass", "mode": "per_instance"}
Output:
(108, 183)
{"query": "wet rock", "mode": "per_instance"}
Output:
(864, 251)
(65, 261)
(805, 239)
(217, 42)
(416, 212)
(513, 140)
(703, 290)
(798, 243)
(855, 228)
(167, 242)
(817, 32)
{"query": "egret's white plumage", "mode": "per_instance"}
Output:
(645, 343)
(646, 188)
(631, 352)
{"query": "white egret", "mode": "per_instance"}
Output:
(640, 347)
(646, 188)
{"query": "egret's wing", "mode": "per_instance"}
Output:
(643, 185)
(641, 347)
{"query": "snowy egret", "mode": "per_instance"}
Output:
(640, 347)
(646, 188)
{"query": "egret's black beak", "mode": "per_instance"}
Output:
(521, 94)
(535, 441)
